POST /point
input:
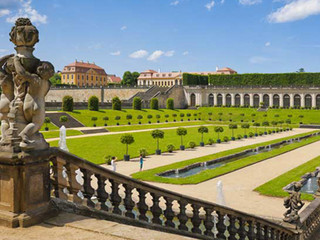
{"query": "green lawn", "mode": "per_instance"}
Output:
(274, 187)
(96, 148)
(151, 175)
(56, 134)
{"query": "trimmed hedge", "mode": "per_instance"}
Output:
(170, 103)
(137, 103)
(116, 104)
(93, 103)
(67, 104)
(154, 104)
(194, 79)
(267, 80)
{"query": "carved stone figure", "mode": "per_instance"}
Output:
(294, 204)
(25, 83)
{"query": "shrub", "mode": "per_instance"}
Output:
(210, 141)
(108, 159)
(218, 130)
(63, 119)
(129, 117)
(94, 119)
(127, 139)
(157, 134)
(251, 134)
(137, 102)
(116, 104)
(192, 144)
(202, 130)
(47, 120)
(260, 133)
(170, 148)
(93, 103)
(105, 119)
(154, 104)
(170, 103)
(182, 132)
(225, 139)
(67, 104)
(143, 152)
(194, 79)
(182, 115)
(239, 136)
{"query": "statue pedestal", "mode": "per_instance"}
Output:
(25, 188)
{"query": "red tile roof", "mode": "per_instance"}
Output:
(114, 79)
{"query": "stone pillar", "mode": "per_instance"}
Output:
(314, 100)
(215, 99)
(260, 98)
(198, 99)
(223, 99)
(271, 100)
(303, 102)
(251, 99)
(280, 100)
(291, 100)
(233, 100)
(25, 189)
(241, 99)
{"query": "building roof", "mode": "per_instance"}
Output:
(84, 66)
(114, 79)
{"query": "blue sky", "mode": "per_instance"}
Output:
(187, 35)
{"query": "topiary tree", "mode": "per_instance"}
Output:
(64, 119)
(157, 134)
(166, 116)
(170, 148)
(253, 115)
(288, 121)
(202, 130)
(129, 117)
(174, 117)
(47, 120)
(127, 139)
(94, 119)
(220, 116)
(139, 117)
(93, 103)
(117, 118)
(170, 103)
(137, 102)
(218, 130)
(149, 117)
(116, 104)
(154, 104)
(232, 127)
(182, 116)
(256, 125)
(105, 119)
(245, 126)
(265, 124)
(242, 116)
(182, 132)
(67, 103)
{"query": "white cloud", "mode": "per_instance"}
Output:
(3, 50)
(123, 28)
(117, 53)
(259, 60)
(4, 12)
(26, 10)
(185, 53)
(139, 54)
(210, 5)
(174, 3)
(249, 2)
(155, 55)
(268, 44)
(295, 10)
(222, 1)
(169, 53)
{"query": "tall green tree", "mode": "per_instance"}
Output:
(55, 79)
(130, 78)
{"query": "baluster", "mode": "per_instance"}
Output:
(259, 235)
(208, 223)
(168, 213)
(142, 206)
(232, 228)
(102, 195)
(74, 186)
(221, 227)
(272, 230)
(62, 182)
(54, 178)
(196, 220)
(115, 197)
(182, 216)
(242, 230)
(155, 209)
(88, 190)
(251, 234)
(128, 202)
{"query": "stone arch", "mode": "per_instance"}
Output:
(211, 100)
(246, 99)
(228, 99)
(308, 101)
(266, 100)
(318, 101)
(276, 100)
(297, 100)
(237, 100)
(256, 100)
(192, 100)
(219, 99)
(286, 101)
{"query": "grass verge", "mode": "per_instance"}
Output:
(56, 134)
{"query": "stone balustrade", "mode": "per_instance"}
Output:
(106, 193)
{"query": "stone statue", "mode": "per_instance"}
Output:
(25, 82)
(294, 204)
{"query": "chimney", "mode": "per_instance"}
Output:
(217, 68)
(159, 70)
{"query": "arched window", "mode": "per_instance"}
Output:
(211, 100)
(308, 101)
(247, 100)
(219, 99)
(192, 100)
(318, 101)
(276, 100)
(256, 100)
(297, 101)
(286, 101)
(228, 100)
(266, 100)
(237, 101)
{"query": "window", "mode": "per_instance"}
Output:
(91, 78)
(170, 74)
(68, 76)
(87, 77)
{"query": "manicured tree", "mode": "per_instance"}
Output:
(139, 117)
(154, 104)
(105, 119)
(116, 104)
(63, 119)
(149, 117)
(158, 117)
(242, 116)
(277, 115)
(288, 121)
(188, 115)
(210, 114)
(281, 122)
(232, 127)
(129, 117)
(253, 116)
(182, 116)
(127, 139)
(202, 130)
(182, 132)
(174, 117)
(220, 116)
(230, 114)
(265, 124)
(166, 116)
(137, 102)
(274, 124)
(219, 130)
(94, 119)
(67, 104)
(256, 125)
(170, 103)
(47, 120)
(117, 118)
(93, 103)
(245, 126)
(157, 134)
(301, 116)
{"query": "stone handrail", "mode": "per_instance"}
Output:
(310, 219)
(139, 203)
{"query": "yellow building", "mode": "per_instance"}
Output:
(84, 74)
